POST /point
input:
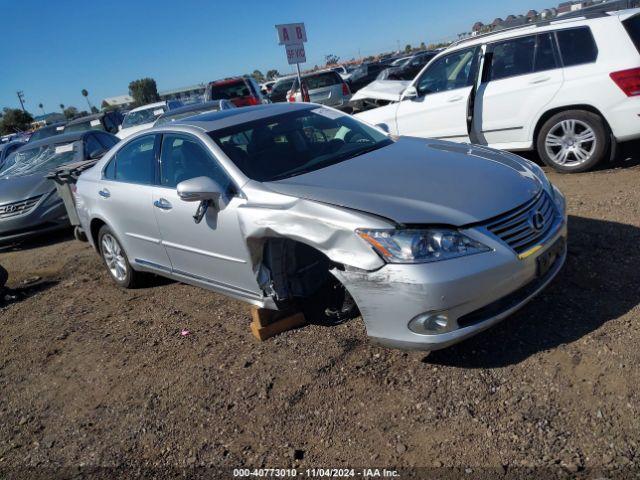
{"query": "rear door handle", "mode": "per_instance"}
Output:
(457, 98)
(163, 204)
(104, 193)
(539, 80)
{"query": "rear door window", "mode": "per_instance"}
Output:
(632, 25)
(513, 57)
(577, 46)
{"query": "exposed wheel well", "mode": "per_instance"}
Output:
(298, 275)
(550, 113)
(95, 226)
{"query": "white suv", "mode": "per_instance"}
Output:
(568, 88)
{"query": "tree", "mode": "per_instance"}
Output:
(15, 120)
(62, 107)
(41, 107)
(422, 46)
(407, 48)
(94, 109)
(331, 59)
(85, 94)
(70, 112)
(144, 91)
(272, 74)
(258, 76)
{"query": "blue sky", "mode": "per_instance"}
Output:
(52, 49)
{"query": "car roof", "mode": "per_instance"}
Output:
(579, 16)
(57, 139)
(191, 107)
(227, 118)
(86, 118)
(148, 106)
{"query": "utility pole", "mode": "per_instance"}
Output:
(20, 94)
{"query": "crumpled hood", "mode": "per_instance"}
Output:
(14, 189)
(419, 181)
(382, 90)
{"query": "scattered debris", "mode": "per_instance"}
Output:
(184, 332)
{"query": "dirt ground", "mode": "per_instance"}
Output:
(95, 376)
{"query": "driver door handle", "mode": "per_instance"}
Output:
(104, 193)
(457, 98)
(163, 204)
(539, 80)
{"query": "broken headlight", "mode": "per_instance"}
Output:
(421, 246)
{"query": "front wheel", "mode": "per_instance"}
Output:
(115, 259)
(573, 141)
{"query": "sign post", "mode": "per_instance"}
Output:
(293, 36)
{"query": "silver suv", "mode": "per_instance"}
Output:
(327, 88)
(301, 206)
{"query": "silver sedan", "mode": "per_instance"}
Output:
(303, 207)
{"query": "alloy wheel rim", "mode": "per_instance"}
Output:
(114, 257)
(570, 143)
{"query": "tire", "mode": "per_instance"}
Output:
(116, 260)
(573, 141)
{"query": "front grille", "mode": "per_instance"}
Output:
(14, 209)
(519, 229)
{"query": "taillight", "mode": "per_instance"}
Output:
(345, 89)
(628, 81)
(292, 96)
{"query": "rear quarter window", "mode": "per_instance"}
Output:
(577, 46)
(632, 26)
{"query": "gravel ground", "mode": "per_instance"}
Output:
(95, 376)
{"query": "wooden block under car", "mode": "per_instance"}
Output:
(268, 323)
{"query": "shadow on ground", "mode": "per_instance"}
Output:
(39, 241)
(14, 295)
(599, 282)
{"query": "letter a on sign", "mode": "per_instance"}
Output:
(290, 33)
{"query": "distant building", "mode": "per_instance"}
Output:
(121, 101)
(497, 22)
(477, 27)
(532, 14)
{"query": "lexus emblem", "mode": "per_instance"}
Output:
(537, 220)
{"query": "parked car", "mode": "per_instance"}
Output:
(326, 88)
(302, 206)
(105, 121)
(266, 87)
(47, 131)
(29, 204)
(7, 149)
(568, 90)
(406, 68)
(281, 88)
(193, 109)
(241, 91)
(364, 74)
(143, 117)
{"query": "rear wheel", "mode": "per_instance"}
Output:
(573, 141)
(116, 260)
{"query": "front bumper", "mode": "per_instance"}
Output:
(48, 215)
(475, 292)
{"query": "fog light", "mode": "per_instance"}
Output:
(430, 323)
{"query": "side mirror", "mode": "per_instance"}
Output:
(199, 189)
(410, 93)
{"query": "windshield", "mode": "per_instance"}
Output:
(46, 132)
(140, 117)
(297, 142)
(37, 160)
(95, 124)
(179, 116)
